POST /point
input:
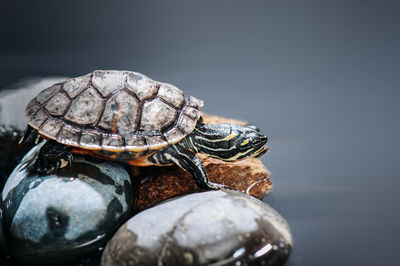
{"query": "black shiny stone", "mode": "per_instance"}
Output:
(62, 216)
(209, 228)
(10, 151)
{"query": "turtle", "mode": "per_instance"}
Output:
(126, 116)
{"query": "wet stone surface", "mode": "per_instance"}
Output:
(10, 151)
(60, 217)
(215, 227)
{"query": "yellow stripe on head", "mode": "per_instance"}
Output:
(231, 136)
(239, 155)
(244, 142)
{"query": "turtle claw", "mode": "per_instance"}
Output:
(41, 167)
(213, 186)
(52, 157)
(46, 166)
(70, 158)
(66, 160)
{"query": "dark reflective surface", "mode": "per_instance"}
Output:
(62, 216)
(222, 227)
(319, 78)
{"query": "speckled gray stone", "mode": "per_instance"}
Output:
(60, 217)
(209, 228)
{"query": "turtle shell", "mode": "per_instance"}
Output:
(115, 111)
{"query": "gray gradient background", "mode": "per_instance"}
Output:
(320, 78)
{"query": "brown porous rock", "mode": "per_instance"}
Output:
(160, 183)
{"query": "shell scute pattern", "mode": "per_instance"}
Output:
(156, 142)
(185, 123)
(45, 95)
(142, 86)
(136, 142)
(58, 104)
(115, 111)
(157, 115)
(174, 135)
(74, 87)
(85, 109)
(38, 118)
(52, 127)
(120, 113)
(106, 82)
(91, 139)
(112, 141)
(171, 94)
(69, 135)
(31, 109)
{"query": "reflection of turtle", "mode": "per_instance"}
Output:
(126, 116)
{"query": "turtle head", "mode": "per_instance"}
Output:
(229, 142)
(246, 142)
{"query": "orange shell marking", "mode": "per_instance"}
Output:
(142, 161)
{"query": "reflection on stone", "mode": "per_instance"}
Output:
(221, 227)
(57, 218)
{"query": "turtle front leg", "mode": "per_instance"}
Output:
(188, 161)
(30, 136)
(52, 155)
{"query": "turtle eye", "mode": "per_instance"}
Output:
(254, 128)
